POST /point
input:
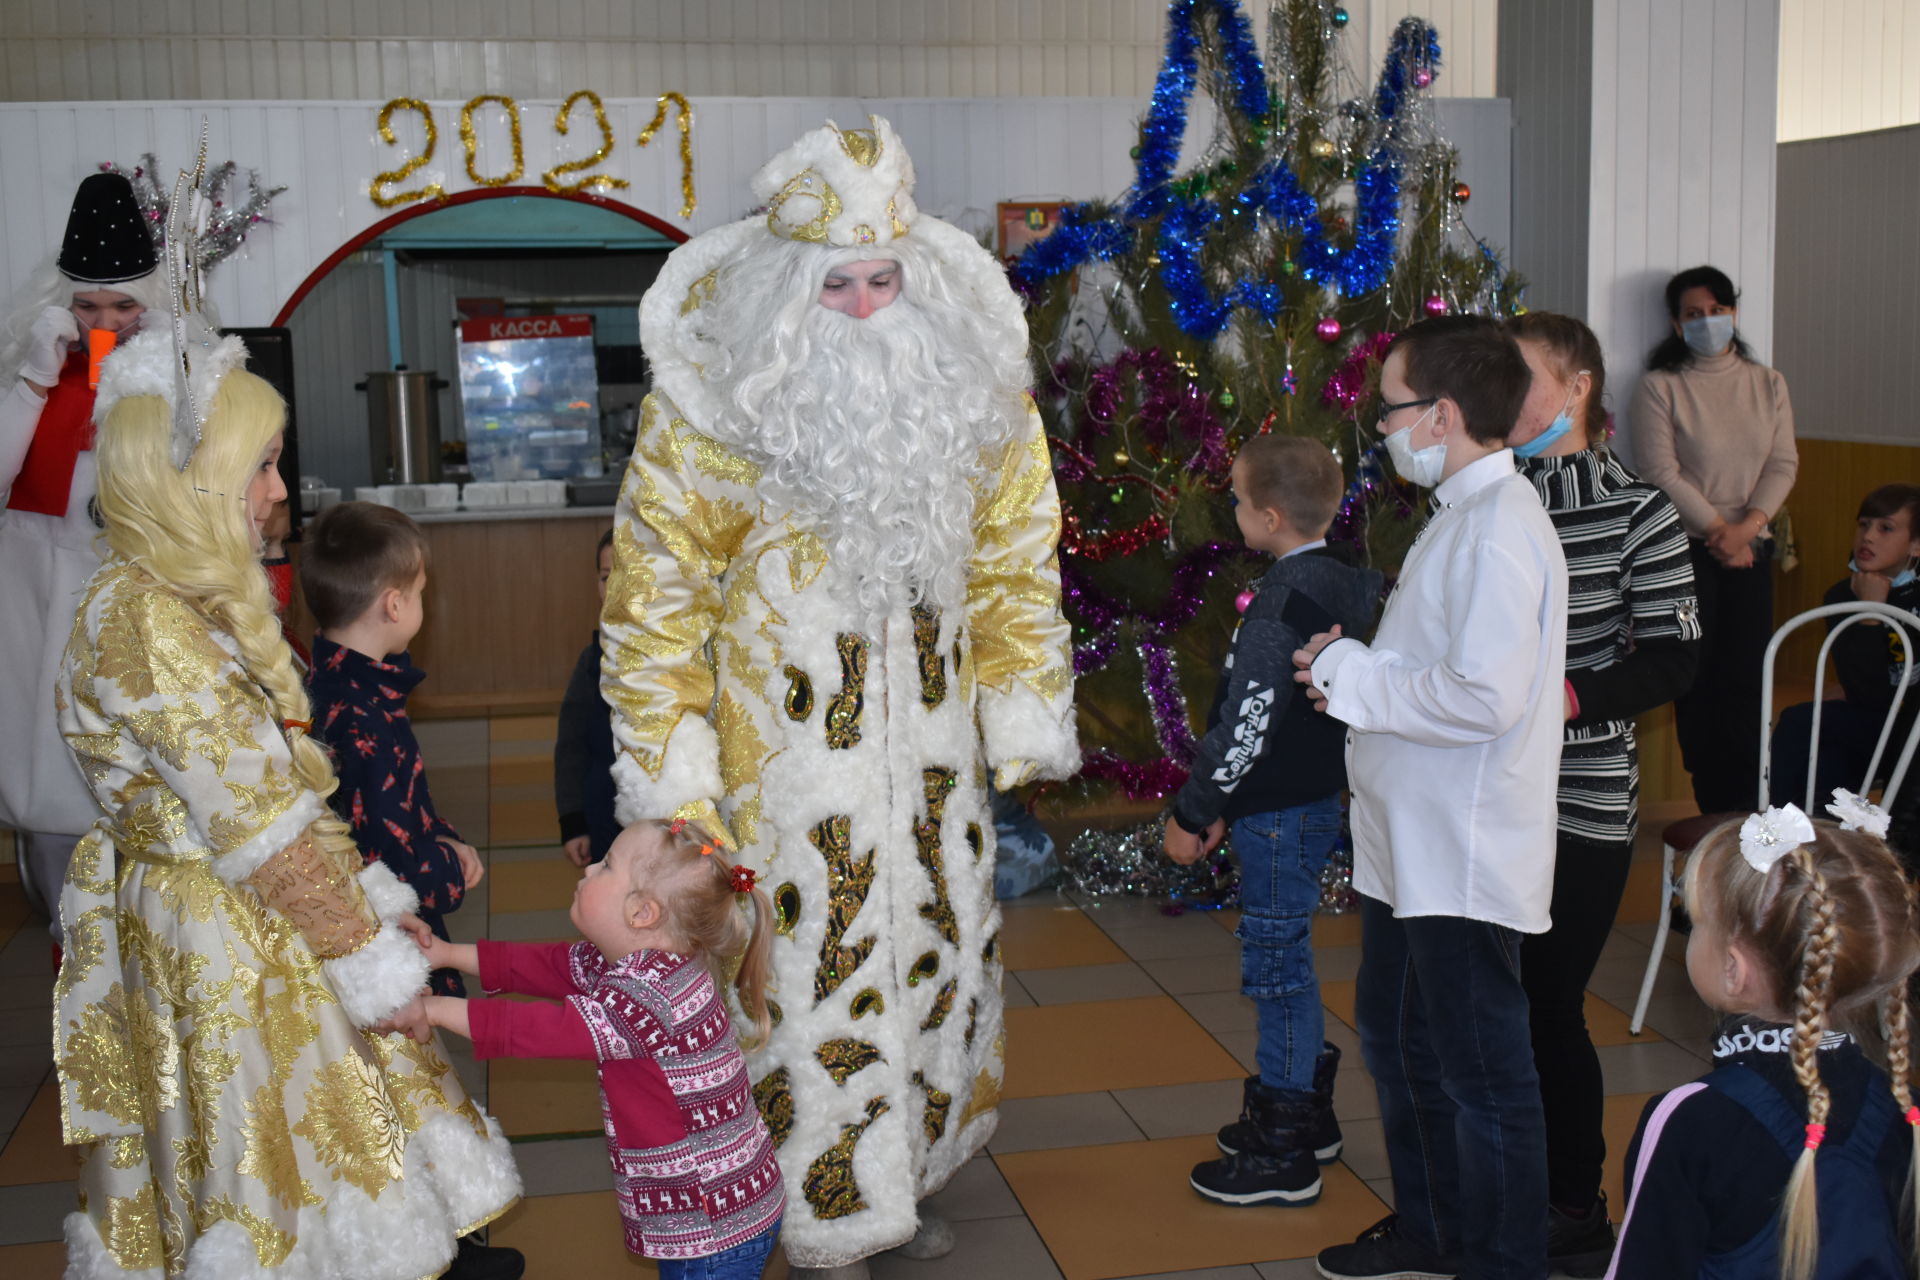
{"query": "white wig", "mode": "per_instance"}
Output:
(49, 287)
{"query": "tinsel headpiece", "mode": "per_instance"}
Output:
(184, 364)
(229, 216)
(840, 187)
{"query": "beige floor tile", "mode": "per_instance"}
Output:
(577, 1235)
(564, 1166)
(1185, 975)
(976, 1191)
(532, 886)
(1000, 1248)
(1338, 998)
(1073, 984)
(1111, 1044)
(540, 1097)
(1336, 964)
(1067, 1120)
(452, 743)
(1622, 1117)
(1296, 1269)
(44, 1261)
(1172, 937)
(1365, 1148)
(1013, 993)
(1087, 1204)
(1342, 930)
(1221, 1011)
(1053, 938)
(34, 1152)
(1647, 1067)
(1607, 1024)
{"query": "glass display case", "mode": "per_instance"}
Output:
(530, 398)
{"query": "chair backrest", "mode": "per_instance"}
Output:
(1850, 614)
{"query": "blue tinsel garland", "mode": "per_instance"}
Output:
(1274, 191)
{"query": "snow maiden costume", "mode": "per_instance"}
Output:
(225, 951)
(46, 527)
(799, 655)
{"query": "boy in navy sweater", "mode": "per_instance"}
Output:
(363, 568)
(1275, 768)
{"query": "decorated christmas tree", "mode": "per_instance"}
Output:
(1250, 287)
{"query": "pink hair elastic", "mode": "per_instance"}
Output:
(1913, 1116)
(1816, 1134)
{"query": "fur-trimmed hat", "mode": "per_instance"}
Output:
(840, 187)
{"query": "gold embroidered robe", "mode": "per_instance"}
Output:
(231, 1116)
(850, 766)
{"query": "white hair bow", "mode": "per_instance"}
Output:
(1767, 837)
(1857, 813)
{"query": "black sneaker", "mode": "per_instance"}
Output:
(475, 1261)
(1324, 1130)
(1253, 1177)
(1382, 1253)
(1580, 1247)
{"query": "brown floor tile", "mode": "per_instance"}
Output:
(1338, 998)
(1642, 898)
(522, 821)
(1074, 984)
(45, 1261)
(1053, 938)
(1111, 1044)
(1337, 931)
(1087, 1203)
(34, 1153)
(523, 728)
(1607, 1024)
(540, 1096)
(578, 1234)
(518, 770)
(532, 886)
(1622, 1117)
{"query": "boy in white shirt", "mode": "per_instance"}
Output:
(1456, 715)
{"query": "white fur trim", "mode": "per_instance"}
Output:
(147, 364)
(236, 865)
(873, 197)
(223, 1252)
(379, 977)
(389, 895)
(87, 1256)
(1017, 725)
(476, 1176)
(689, 773)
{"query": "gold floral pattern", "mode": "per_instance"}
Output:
(799, 700)
(843, 709)
(786, 908)
(830, 1187)
(774, 1096)
(926, 649)
(841, 1058)
(353, 1125)
(942, 1005)
(867, 1001)
(933, 1120)
(849, 881)
(936, 785)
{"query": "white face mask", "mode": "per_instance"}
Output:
(1423, 467)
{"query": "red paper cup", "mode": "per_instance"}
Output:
(99, 347)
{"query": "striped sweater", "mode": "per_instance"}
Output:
(693, 1165)
(1633, 628)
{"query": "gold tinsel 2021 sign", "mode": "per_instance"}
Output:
(566, 177)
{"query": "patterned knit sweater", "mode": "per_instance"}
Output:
(694, 1168)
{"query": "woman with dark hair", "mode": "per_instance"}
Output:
(1714, 428)
(1633, 637)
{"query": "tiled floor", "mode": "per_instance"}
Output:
(1127, 1041)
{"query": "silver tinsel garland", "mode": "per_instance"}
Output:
(1132, 861)
(228, 220)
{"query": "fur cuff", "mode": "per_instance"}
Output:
(689, 773)
(389, 895)
(236, 865)
(379, 977)
(1017, 725)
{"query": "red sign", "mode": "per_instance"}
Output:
(518, 328)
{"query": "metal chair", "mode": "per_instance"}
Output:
(1677, 841)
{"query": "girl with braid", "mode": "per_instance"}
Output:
(1796, 1155)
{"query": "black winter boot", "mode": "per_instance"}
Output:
(1324, 1132)
(1281, 1170)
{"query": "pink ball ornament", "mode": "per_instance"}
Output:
(1436, 305)
(1242, 600)
(1328, 330)
(1423, 77)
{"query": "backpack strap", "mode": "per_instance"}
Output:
(1752, 1091)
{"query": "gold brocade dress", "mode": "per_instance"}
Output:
(233, 1119)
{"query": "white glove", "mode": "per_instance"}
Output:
(53, 332)
(1015, 773)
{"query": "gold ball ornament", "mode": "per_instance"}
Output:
(1322, 147)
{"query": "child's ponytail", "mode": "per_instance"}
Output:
(704, 907)
(1897, 1016)
(756, 964)
(1799, 1213)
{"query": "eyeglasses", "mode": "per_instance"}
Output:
(1388, 409)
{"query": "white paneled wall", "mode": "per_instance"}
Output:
(134, 50)
(1683, 165)
(1848, 66)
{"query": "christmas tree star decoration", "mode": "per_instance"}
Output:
(1250, 287)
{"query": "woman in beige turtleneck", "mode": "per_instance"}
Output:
(1714, 429)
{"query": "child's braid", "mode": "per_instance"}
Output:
(1800, 1245)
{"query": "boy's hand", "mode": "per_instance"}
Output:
(579, 850)
(1872, 586)
(416, 928)
(470, 865)
(1182, 845)
(1216, 832)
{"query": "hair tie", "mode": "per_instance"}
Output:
(1767, 837)
(1913, 1116)
(304, 726)
(708, 850)
(1816, 1133)
(741, 878)
(677, 826)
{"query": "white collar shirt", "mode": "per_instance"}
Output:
(1455, 711)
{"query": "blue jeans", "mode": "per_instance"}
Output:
(1444, 1030)
(1281, 857)
(742, 1262)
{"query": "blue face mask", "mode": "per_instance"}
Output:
(1898, 580)
(1556, 429)
(1708, 335)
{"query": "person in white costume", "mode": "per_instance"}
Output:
(104, 278)
(834, 614)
